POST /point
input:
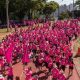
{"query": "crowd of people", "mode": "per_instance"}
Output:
(46, 45)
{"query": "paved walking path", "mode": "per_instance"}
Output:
(77, 65)
(18, 69)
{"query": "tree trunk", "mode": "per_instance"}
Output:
(7, 16)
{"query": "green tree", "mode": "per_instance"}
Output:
(64, 15)
(35, 6)
(19, 8)
(2, 11)
(50, 7)
(78, 3)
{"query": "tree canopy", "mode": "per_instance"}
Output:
(50, 7)
(78, 3)
(65, 15)
(19, 8)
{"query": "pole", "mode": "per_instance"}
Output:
(7, 15)
(58, 12)
(73, 8)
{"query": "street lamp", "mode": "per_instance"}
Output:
(7, 15)
(59, 10)
(73, 9)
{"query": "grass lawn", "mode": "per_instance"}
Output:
(3, 32)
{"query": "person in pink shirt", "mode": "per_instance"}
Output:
(25, 58)
(71, 66)
(2, 64)
(1, 52)
(61, 77)
(50, 65)
(10, 73)
(63, 64)
(1, 76)
(28, 73)
(57, 60)
(55, 73)
(35, 77)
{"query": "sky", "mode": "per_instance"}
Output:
(61, 2)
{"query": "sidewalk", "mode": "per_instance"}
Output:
(77, 65)
(75, 75)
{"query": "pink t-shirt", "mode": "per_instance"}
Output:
(1, 62)
(61, 77)
(1, 52)
(55, 72)
(28, 74)
(50, 64)
(25, 58)
(10, 71)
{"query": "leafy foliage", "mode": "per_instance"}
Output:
(50, 7)
(78, 3)
(19, 8)
(65, 15)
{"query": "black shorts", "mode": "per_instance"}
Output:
(71, 67)
(63, 67)
(58, 64)
(10, 77)
(34, 51)
(25, 63)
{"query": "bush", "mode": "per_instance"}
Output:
(64, 15)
